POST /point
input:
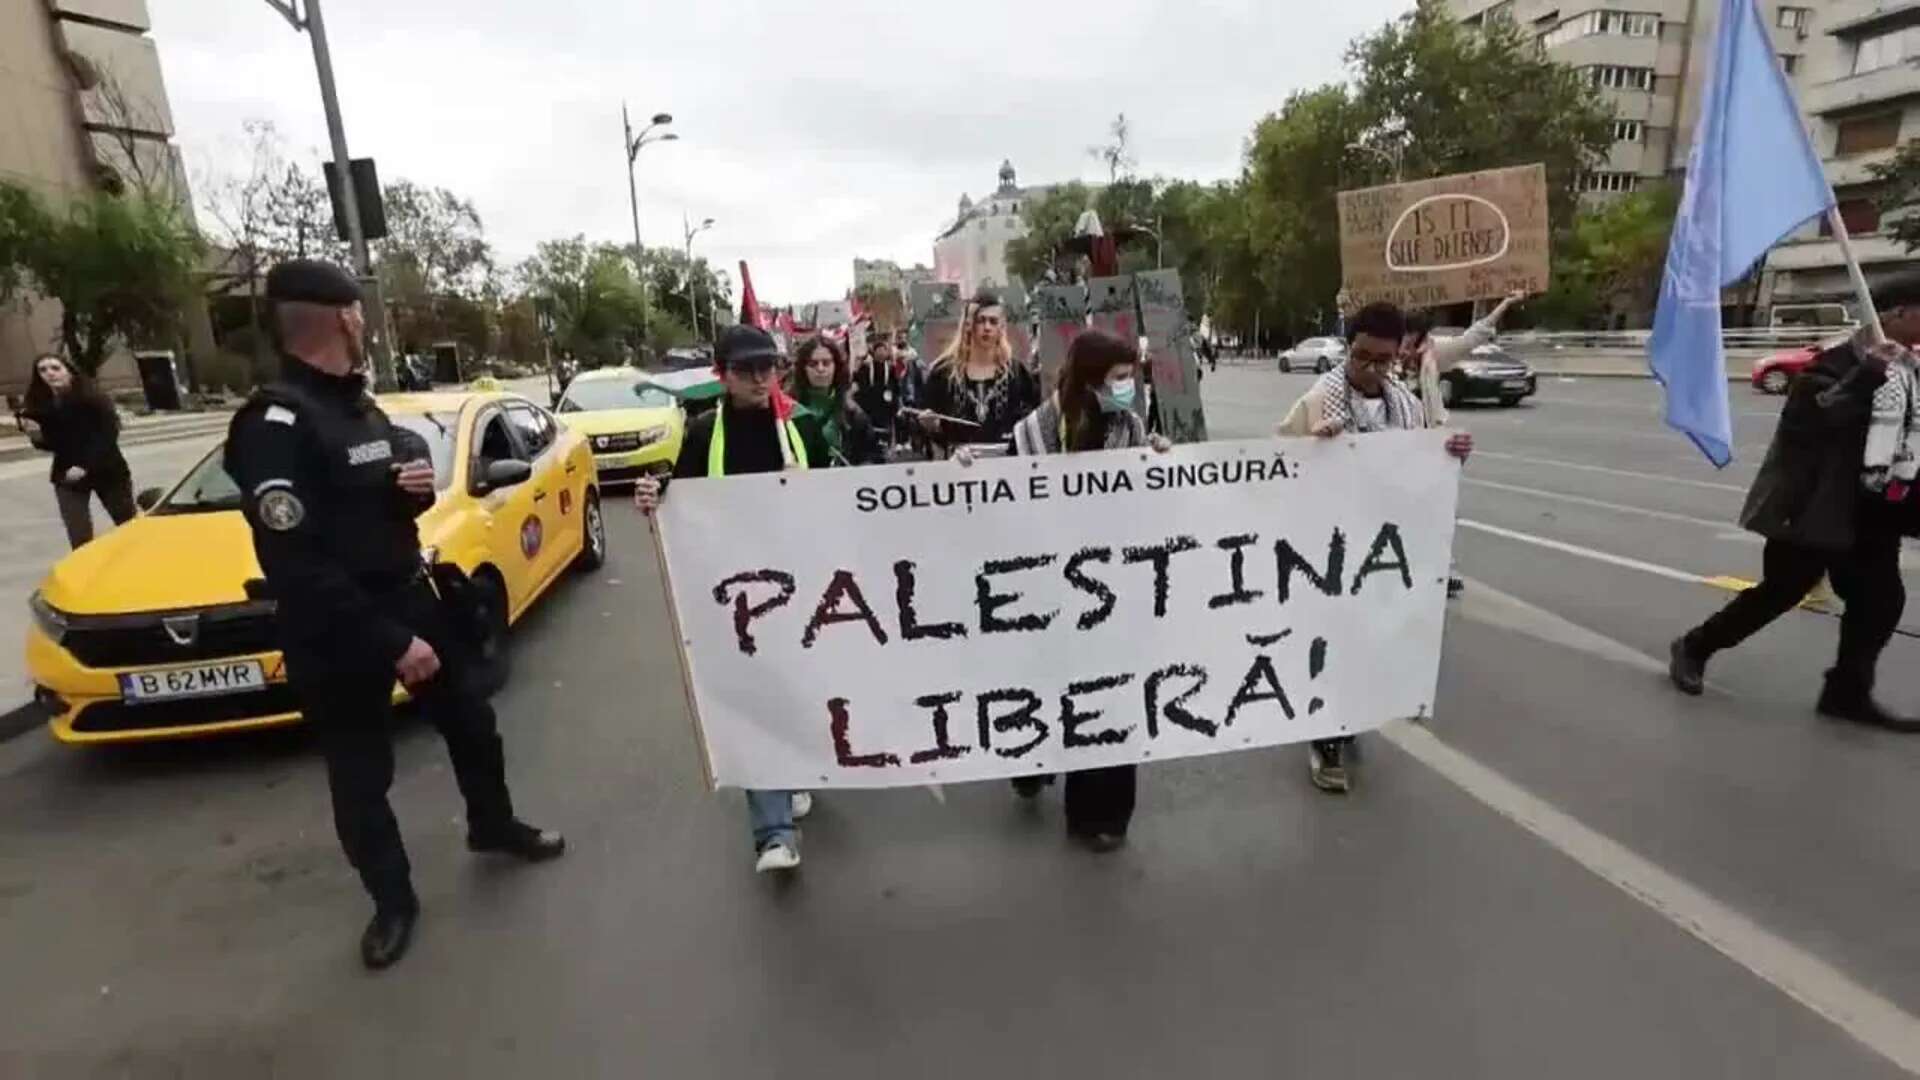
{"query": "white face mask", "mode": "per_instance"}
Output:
(1116, 396)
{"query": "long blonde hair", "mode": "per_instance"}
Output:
(953, 362)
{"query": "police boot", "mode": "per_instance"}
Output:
(1845, 698)
(387, 937)
(521, 840)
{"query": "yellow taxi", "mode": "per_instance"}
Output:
(156, 630)
(633, 423)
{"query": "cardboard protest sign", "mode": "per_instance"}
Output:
(936, 317)
(1013, 301)
(1429, 243)
(934, 623)
(1112, 306)
(1062, 311)
(1170, 359)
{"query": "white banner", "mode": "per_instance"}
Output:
(913, 624)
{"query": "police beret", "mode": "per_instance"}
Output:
(310, 281)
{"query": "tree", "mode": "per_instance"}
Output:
(1050, 220)
(592, 295)
(121, 267)
(1117, 151)
(435, 266)
(1899, 191)
(1287, 254)
(1609, 263)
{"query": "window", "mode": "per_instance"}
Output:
(1790, 62)
(1886, 50)
(1861, 215)
(1621, 23)
(1865, 134)
(1793, 18)
(535, 428)
(495, 443)
(1628, 130)
(1612, 182)
(1619, 77)
(437, 430)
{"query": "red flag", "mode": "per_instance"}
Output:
(749, 303)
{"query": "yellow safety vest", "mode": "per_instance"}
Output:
(792, 447)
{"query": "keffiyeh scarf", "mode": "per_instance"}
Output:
(1891, 434)
(1403, 409)
(1042, 431)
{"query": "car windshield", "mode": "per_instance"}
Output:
(438, 430)
(1316, 343)
(592, 395)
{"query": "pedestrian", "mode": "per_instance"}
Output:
(1091, 408)
(975, 392)
(1834, 496)
(1360, 397)
(747, 433)
(824, 387)
(1424, 358)
(66, 413)
(331, 488)
(878, 385)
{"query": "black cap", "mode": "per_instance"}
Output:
(310, 281)
(1899, 290)
(746, 347)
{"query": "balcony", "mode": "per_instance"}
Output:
(1856, 169)
(1823, 253)
(1894, 83)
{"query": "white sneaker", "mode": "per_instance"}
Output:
(802, 804)
(776, 857)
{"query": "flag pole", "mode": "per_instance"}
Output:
(1868, 314)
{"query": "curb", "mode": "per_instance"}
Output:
(19, 720)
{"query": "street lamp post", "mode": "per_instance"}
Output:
(316, 29)
(693, 283)
(632, 144)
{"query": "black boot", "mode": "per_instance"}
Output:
(1687, 665)
(387, 937)
(519, 839)
(1847, 699)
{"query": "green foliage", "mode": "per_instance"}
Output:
(1900, 190)
(1607, 267)
(592, 296)
(120, 267)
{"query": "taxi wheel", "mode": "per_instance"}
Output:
(496, 660)
(593, 549)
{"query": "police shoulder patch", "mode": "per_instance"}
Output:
(280, 414)
(280, 510)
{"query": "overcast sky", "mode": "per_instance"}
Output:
(812, 131)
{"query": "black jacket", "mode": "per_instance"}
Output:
(750, 443)
(313, 457)
(877, 389)
(84, 434)
(995, 406)
(1809, 490)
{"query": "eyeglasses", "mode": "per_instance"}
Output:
(1374, 361)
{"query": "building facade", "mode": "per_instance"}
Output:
(972, 251)
(82, 107)
(887, 274)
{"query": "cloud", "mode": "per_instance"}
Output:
(811, 132)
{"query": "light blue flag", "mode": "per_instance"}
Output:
(1752, 178)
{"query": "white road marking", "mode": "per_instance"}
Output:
(1878, 1024)
(1707, 484)
(1600, 504)
(1589, 553)
(1651, 410)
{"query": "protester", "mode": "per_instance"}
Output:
(331, 489)
(878, 385)
(976, 393)
(1834, 496)
(1091, 408)
(749, 434)
(824, 387)
(1424, 358)
(66, 414)
(1360, 397)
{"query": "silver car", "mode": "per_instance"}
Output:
(1317, 353)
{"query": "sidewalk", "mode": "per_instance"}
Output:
(134, 430)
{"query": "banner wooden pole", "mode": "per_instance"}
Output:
(1868, 314)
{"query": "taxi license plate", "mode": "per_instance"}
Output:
(201, 680)
(1515, 384)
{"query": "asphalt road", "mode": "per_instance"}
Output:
(1574, 872)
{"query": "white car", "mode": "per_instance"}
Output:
(1318, 353)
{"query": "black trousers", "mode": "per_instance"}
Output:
(76, 505)
(351, 710)
(1867, 579)
(1098, 800)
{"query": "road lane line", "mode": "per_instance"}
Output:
(1709, 485)
(1873, 1021)
(1562, 546)
(1598, 504)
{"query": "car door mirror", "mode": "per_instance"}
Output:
(504, 474)
(149, 498)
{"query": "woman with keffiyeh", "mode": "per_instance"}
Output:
(1358, 397)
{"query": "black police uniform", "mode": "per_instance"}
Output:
(313, 457)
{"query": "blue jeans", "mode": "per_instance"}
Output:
(771, 814)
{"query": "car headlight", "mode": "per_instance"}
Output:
(652, 435)
(1472, 367)
(51, 620)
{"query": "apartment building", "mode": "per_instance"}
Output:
(1854, 64)
(82, 106)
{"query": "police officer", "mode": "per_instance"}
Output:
(331, 488)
